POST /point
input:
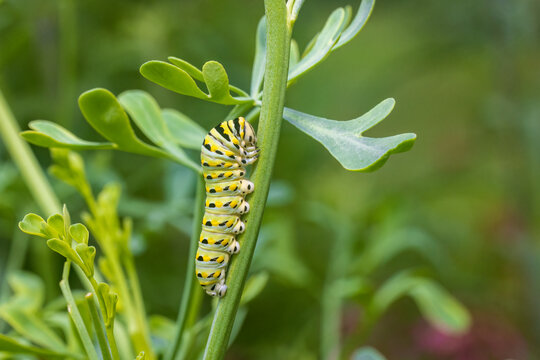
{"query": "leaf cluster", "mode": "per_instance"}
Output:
(171, 131)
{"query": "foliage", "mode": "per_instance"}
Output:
(460, 214)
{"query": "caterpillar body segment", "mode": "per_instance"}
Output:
(226, 150)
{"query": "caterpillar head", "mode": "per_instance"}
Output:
(250, 138)
(246, 187)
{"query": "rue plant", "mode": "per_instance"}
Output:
(108, 320)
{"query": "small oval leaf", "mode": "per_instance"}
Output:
(62, 248)
(32, 224)
(79, 233)
(187, 67)
(217, 82)
(171, 77)
(105, 114)
(48, 134)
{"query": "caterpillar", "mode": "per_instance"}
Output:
(225, 152)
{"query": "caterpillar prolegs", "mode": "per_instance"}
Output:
(225, 151)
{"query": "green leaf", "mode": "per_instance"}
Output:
(79, 233)
(62, 248)
(145, 112)
(105, 114)
(87, 255)
(31, 327)
(362, 16)
(367, 353)
(344, 139)
(56, 222)
(351, 286)
(294, 54)
(382, 248)
(323, 44)
(440, 308)
(28, 291)
(254, 286)
(49, 134)
(13, 346)
(217, 82)
(257, 74)
(276, 254)
(33, 224)
(172, 78)
(110, 299)
(185, 131)
(296, 9)
(187, 67)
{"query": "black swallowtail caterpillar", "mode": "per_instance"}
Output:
(225, 151)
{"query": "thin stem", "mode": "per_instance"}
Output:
(109, 326)
(73, 311)
(192, 294)
(275, 82)
(36, 181)
(99, 327)
(25, 160)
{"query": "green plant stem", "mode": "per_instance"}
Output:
(137, 326)
(36, 181)
(275, 81)
(109, 328)
(26, 162)
(192, 294)
(99, 327)
(73, 311)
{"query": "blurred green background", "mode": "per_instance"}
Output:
(466, 78)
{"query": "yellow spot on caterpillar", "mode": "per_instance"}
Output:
(220, 259)
(233, 187)
(218, 204)
(233, 204)
(204, 274)
(225, 242)
(228, 174)
(211, 241)
(215, 222)
(218, 189)
(206, 258)
(229, 223)
(216, 274)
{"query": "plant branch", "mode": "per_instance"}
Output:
(35, 180)
(192, 294)
(26, 162)
(275, 83)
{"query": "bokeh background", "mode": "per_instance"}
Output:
(466, 78)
